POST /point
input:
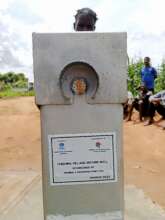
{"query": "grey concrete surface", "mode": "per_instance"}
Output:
(104, 52)
(86, 198)
(137, 207)
(58, 53)
(14, 185)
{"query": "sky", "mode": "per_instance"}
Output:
(143, 20)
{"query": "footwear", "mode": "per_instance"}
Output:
(128, 119)
(148, 122)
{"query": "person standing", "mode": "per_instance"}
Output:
(148, 74)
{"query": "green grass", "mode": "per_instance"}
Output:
(11, 93)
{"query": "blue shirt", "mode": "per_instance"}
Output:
(148, 75)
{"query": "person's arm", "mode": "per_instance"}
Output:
(155, 73)
(155, 98)
(163, 97)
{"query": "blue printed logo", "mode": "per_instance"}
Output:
(61, 146)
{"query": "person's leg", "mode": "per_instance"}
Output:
(125, 110)
(161, 110)
(131, 107)
(130, 110)
(141, 106)
(136, 104)
(151, 113)
(146, 104)
(145, 109)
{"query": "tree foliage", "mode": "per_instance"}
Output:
(134, 78)
(160, 81)
(12, 80)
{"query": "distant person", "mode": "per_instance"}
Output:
(148, 74)
(85, 20)
(157, 103)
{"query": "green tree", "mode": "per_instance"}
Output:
(21, 76)
(10, 80)
(160, 81)
(134, 78)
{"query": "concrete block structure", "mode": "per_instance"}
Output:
(80, 84)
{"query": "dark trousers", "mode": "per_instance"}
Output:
(158, 107)
(141, 105)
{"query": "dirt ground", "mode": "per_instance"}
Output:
(144, 147)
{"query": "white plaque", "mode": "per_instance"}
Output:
(82, 158)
